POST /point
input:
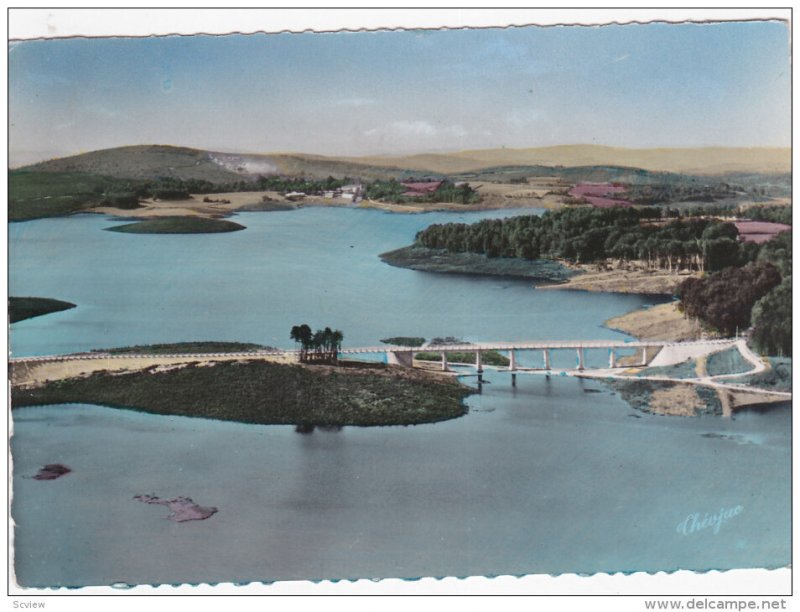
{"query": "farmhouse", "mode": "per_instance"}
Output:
(417, 189)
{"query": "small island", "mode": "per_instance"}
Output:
(265, 392)
(21, 308)
(178, 225)
(426, 259)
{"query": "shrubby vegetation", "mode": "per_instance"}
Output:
(777, 378)
(177, 348)
(258, 391)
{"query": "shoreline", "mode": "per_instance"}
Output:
(254, 390)
(228, 204)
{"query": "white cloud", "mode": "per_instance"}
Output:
(355, 102)
(416, 129)
(523, 117)
(621, 58)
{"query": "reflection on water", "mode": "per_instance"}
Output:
(252, 286)
(538, 478)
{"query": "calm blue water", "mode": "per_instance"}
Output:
(551, 476)
(316, 265)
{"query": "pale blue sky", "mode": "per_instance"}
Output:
(398, 92)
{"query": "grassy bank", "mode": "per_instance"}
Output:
(777, 378)
(666, 398)
(183, 348)
(178, 225)
(267, 393)
(437, 260)
(21, 308)
(33, 195)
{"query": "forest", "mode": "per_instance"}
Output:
(744, 283)
(758, 294)
(585, 235)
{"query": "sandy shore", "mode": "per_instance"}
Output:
(31, 374)
(495, 196)
(661, 322)
(621, 280)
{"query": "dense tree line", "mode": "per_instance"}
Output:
(448, 191)
(321, 346)
(725, 300)
(758, 294)
(661, 193)
(774, 214)
(772, 320)
(588, 234)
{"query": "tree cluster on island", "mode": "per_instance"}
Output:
(322, 346)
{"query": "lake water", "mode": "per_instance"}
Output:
(551, 476)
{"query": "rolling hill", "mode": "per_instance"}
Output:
(152, 161)
(704, 161)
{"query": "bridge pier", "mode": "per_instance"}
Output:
(479, 365)
(644, 356)
(403, 358)
(444, 362)
(612, 358)
(546, 353)
(512, 366)
(580, 359)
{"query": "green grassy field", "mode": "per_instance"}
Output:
(729, 361)
(267, 393)
(32, 195)
(178, 225)
(21, 308)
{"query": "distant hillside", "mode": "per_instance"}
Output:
(143, 162)
(707, 160)
(163, 161)
(153, 161)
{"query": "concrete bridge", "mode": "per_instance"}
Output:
(404, 355)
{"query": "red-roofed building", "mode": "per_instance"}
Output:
(416, 189)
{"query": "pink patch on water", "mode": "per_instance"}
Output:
(598, 194)
(182, 508)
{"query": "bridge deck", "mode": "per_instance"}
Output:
(478, 346)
